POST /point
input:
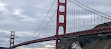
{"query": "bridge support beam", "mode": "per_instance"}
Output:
(61, 13)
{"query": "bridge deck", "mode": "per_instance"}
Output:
(79, 33)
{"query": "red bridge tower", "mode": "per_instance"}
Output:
(61, 13)
(12, 38)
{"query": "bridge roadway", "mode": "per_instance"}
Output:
(73, 34)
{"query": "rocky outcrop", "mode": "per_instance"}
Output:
(99, 43)
(88, 41)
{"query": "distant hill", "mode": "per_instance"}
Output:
(104, 24)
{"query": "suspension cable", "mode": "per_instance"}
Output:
(98, 13)
(44, 18)
(46, 24)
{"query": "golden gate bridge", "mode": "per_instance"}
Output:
(69, 12)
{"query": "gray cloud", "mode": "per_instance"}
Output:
(24, 16)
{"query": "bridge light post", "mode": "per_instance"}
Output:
(63, 15)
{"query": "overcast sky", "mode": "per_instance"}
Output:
(24, 17)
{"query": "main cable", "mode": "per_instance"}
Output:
(44, 18)
(46, 24)
(91, 8)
